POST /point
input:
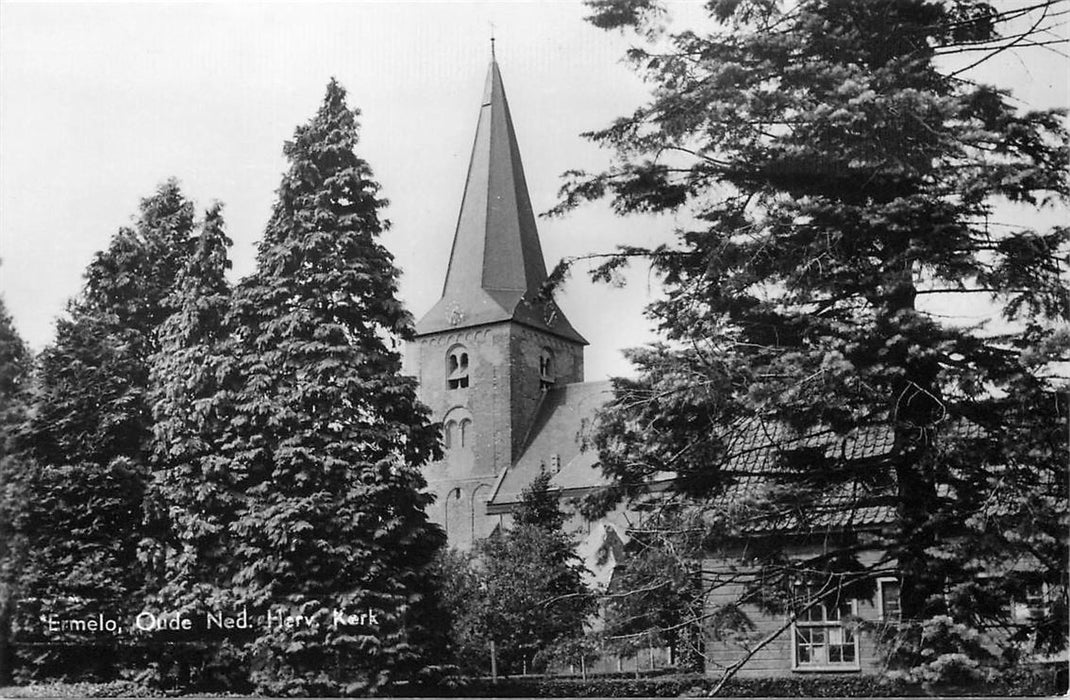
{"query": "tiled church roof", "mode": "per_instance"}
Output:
(561, 426)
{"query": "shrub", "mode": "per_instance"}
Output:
(1023, 682)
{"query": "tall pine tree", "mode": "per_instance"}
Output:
(189, 500)
(15, 369)
(87, 440)
(326, 438)
(841, 175)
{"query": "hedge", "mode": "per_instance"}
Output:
(1044, 682)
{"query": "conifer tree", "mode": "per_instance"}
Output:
(185, 493)
(189, 499)
(523, 588)
(841, 174)
(91, 404)
(325, 437)
(536, 596)
(15, 368)
(86, 443)
(15, 365)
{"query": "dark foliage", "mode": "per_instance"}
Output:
(320, 506)
(15, 368)
(189, 497)
(1019, 683)
(78, 513)
(523, 589)
(838, 178)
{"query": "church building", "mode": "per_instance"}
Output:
(500, 366)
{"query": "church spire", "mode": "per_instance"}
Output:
(496, 266)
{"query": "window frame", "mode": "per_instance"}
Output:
(1031, 607)
(826, 624)
(458, 368)
(882, 614)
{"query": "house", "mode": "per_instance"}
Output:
(804, 606)
(811, 632)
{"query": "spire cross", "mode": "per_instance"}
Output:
(491, 39)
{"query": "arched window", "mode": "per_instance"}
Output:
(457, 367)
(465, 433)
(457, 429)
(546, 368)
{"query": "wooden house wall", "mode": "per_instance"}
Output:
(775, 658)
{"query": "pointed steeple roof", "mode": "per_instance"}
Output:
(496, 266)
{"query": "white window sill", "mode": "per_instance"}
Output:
(840, 668)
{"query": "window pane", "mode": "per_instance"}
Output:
(890, 599)
(828, 645)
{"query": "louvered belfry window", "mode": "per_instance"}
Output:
(457, 368)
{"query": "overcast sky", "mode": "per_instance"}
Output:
(101, 102)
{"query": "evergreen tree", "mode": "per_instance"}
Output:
(91, 404)
(524, 589)
(190, 500)
(15, 366)
(85, 446)
(840, 175)
(462, 594)
(324, 437)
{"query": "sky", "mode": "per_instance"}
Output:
(101, 102)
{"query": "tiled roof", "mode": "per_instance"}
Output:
(753, 465)
(562, 424)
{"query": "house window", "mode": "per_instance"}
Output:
(448, 431)
(1033, 605)
(457, 368)
(465, 432)
(821, 638)
(888, 600)
(546, 368)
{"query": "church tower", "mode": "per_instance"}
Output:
(489, 351)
